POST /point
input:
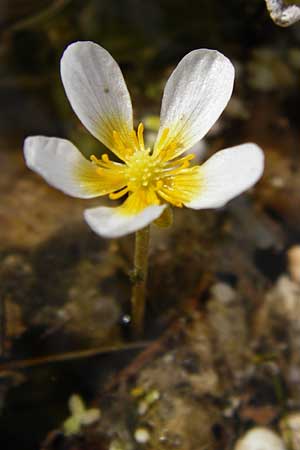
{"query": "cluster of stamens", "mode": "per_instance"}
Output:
(143, 169)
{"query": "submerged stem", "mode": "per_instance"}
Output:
(140, 279)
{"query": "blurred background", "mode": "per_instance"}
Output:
(147, 39)
(65, 290)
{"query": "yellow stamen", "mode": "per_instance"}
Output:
(167, 152)
(177, 166)
(150, 178)
(118, 140)
(119, 194)
(152, 197)
(105, 158)
(188, 157)
(141, 136)
(169, 198)
(135, 139)
(106, 163)
(94, 159)
(123, 149)
(163, 137)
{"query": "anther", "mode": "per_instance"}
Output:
(119, 194)
(185, 164)
(105, 158)
(190, 156)
(94, 159)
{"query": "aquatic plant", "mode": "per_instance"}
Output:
(153, 180)
(80, 415)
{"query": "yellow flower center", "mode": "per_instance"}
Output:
(150, 174)
(143, 171)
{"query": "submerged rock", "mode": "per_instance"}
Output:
(226, 317)
(260, 439)
(294, 263)
(277, 323)
(290, 429)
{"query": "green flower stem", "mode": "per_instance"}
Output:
(139, 280)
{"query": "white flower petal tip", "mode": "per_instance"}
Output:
(195, 96)
(60, 163)
(96, 89)
(227, 174)
(110, 223)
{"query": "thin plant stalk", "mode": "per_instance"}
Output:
(139, 280)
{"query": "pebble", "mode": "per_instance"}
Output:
(116, 445)
(260, 439)
(142, 435)
(290, 429)
(293, 255)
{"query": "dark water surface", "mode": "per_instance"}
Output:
(65, 290)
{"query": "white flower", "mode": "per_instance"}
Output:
(194, 97)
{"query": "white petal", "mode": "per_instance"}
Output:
(110, 223)
(64, 167)
(96, 89)
(194, 97)
(227, 174)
